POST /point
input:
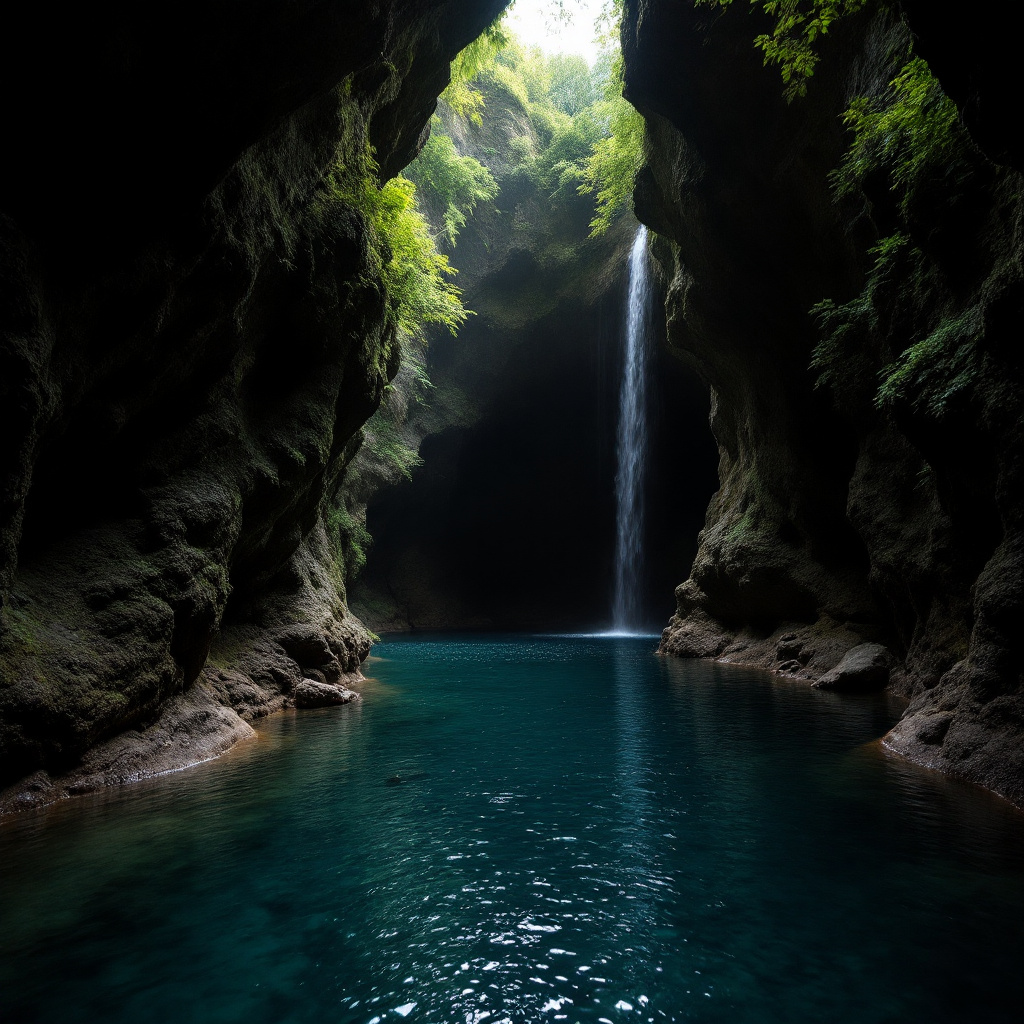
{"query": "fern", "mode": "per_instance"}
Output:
(402, 250)
(451, 184)
(913, 134)
(476, 58)
(842, 358)
(932, 371)
(384, 441)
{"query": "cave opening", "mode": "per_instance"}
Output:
(512, 523)
(505, 516)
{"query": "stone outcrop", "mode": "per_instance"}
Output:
(192, 335)
(839, 524)
(864, 668)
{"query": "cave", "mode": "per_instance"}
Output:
(316, 361)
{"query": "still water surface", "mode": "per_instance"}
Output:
(523, 830)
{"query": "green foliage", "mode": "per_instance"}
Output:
(611, 169)
(402, 249)
(521, 150)
(420, 383)
(460, 95)
(572, 88)
(799, 25)
(613, 130)
(584, 137)
(934, 369)
(897, 295)
(384, 441)
(913, 134)
(452, 184)
(561, 168)
(517, 87)
(842, 359)
(910, 141)
(353, 539)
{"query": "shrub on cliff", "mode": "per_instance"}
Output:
(450, 184)
(617, 156)
(403, 252)
(908, 152)
(798, 25)
(612, 167)
(912, 135)
(461, 95)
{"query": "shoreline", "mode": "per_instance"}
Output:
(194, 728)
(210, 719)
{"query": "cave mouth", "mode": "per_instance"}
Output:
(511, 523)
(505, 515)
(515, 824)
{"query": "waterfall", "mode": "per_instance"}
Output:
(632, 447)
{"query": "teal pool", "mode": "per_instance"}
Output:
(527, 829)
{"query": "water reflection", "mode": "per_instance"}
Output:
(522, 830)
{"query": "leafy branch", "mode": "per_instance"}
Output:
(791, 44)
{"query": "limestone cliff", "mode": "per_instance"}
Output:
(193, 334)
(843, 522)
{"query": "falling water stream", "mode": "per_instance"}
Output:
(627, 610)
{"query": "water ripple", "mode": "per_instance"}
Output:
(603, 836)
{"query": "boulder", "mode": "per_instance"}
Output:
(864, 668)
(311, 694)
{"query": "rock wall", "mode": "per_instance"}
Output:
(192, 336)
(840, 526)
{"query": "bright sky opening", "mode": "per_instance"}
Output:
(536, 23)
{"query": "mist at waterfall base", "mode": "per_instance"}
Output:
(511, 523)
(514, 830)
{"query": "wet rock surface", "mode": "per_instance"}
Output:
(838, 523)
(313, 694)
(864, 668)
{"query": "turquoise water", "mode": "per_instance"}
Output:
(528, 829)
